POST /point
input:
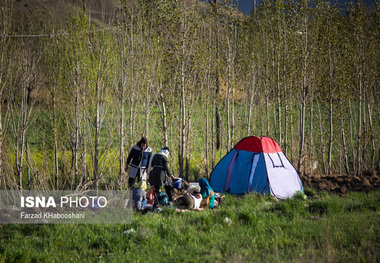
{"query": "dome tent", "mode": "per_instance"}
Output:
(256, 164)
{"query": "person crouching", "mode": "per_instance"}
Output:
(139, 196)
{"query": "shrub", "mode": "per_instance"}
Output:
(300, 196)
(319, 207)
(248, 217)
(291, 208)
(310, 192)
(326, 206)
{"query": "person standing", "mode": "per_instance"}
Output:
(134, 159)
(159, 173)
(143, 171)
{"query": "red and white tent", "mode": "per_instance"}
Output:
(256, 164)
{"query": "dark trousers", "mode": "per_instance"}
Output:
(131, 182)
(168, 190)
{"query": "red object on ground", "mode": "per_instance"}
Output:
(151, 196)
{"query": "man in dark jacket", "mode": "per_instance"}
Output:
(160, 174)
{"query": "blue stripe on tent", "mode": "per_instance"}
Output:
(240, 173)
(229, 171)
(260, 178)
(219, 174)
(256, 158)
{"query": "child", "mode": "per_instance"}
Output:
(139, 196)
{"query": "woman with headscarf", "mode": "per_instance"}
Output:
(137, 161)
(160, 174)
(207, 191)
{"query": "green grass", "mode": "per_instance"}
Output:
(323, 229)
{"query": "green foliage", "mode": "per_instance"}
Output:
(319, 207)
(248, 217)
(299, 195)
(286, 233)
(199, 60)
(358, 203)
(310, 192)
(174, 48)
(291, 208)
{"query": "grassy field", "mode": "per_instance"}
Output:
(322, 228)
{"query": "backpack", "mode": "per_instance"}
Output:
(163, 199)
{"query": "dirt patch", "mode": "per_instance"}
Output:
(343, 183)
(337, 183)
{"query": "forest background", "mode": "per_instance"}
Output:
(80, 83)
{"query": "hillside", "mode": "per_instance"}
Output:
(195, 81)
(40, 16)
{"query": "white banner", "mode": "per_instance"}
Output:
(62, 207)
